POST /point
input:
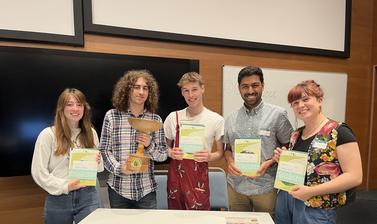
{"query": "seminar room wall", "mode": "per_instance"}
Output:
(372, 165)
(22, 201)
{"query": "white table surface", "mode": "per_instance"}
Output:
(141, 216)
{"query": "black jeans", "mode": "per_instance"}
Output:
(117, 201)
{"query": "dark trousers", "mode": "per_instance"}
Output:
(117, 201)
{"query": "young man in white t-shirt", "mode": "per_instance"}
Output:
(188, 186)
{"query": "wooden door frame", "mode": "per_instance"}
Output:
(372, 125)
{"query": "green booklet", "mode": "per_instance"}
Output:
(247, 155)
(83, 166)
(291, 169)
(191, 139)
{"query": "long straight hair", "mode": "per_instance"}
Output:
(63, 132)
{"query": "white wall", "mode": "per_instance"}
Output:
(278, 82)
(44, 16)
(321, 23)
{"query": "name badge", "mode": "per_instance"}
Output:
(320, 145)
(264, 133)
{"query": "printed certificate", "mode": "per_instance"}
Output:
(291, 169)
(191, 139)
(83, 166)
(247, 155)
(241, 220)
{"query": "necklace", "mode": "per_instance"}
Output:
(76, 142)
(312, 131)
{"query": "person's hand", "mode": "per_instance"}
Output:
(124, 170)
(277, 153)
(301, 192)
(144, 139)
(98, 157)
(74, 185)
(202, 155)
(176, 153)
(262, 169)
(233, 170)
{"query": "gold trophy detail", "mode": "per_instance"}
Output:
(139, 163)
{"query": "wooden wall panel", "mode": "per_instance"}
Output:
(372, 168)
(373, 147)
(28, 198)
(374, 47)
(21, 200)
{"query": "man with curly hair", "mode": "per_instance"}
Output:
(135, 95)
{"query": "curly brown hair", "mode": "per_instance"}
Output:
(63, 132)
(123, 88)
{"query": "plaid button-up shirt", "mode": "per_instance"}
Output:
(118, 140)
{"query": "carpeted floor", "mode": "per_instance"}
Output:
(362, 211)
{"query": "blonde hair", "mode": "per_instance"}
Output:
(63, 132)
(190, 77)
(123, 88)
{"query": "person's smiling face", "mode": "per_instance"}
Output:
(251, 89)
(193, 93)
(306, 107)
(139, 92)
(73, 111)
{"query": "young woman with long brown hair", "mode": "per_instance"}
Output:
(67, 200)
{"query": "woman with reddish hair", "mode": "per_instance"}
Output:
(333, 163)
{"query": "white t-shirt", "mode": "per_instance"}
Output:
(213, 122)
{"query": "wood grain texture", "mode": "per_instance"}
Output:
(21, 200)
(373, 150)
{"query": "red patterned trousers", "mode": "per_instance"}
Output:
(187, 186)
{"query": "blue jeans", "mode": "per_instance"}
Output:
(289, 210)
(74, 206)
(117, 201)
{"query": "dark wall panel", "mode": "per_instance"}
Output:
(32, 79)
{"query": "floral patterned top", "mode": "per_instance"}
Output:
(323, 164)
